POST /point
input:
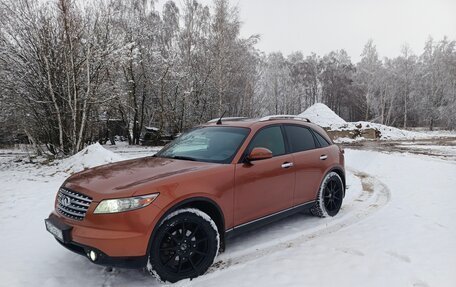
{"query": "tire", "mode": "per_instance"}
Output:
(330, 196)
(185, 246)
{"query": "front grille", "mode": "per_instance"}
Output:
(72, 204)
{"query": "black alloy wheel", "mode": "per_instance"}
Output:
(185, 246)
(332, 196)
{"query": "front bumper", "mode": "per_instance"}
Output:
(134, 262)
(119, 240)
(101, 258)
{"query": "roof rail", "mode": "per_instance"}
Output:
(228, 119)
(284, 117)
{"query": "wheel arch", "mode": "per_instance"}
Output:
(341, 173)
(206, 205)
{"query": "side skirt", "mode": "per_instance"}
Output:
(257, 223)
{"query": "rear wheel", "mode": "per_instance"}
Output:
(330, 196)
(185, 245)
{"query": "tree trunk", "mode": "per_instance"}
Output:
(86, 99)
(54, 101)
(405, 112)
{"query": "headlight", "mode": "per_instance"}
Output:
(124, 204)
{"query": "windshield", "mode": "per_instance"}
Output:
(210, 144)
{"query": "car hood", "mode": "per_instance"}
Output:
(125, 178)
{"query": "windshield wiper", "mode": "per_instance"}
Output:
(183, 157)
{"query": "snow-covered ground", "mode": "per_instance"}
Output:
(396, 228)
(431, 149)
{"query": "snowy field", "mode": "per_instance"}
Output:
(396, 228)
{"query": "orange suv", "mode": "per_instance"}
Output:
(172, 212)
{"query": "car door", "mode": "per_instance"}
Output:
(308, 162)
(266, 186)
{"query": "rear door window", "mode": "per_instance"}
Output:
(299, 138)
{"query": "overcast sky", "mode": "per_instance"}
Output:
(323, 25)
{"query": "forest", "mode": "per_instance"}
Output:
(68, 68)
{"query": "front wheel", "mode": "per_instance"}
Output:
(185, 245)
(330, 196)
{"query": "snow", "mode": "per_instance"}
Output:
(396, 228)
(93, 155)
(323, 116)
(386, 132)
(437, 150)
(348, 140)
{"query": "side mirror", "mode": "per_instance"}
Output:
(259, 153)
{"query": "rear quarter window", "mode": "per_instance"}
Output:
(321, 140)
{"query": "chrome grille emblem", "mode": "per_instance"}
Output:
(65, 200)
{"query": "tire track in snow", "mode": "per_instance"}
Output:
(374, 196)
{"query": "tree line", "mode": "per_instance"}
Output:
(68, 69)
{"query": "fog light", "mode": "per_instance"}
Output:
(92, 255)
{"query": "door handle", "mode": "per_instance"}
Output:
(323, 157)
(287, 164)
